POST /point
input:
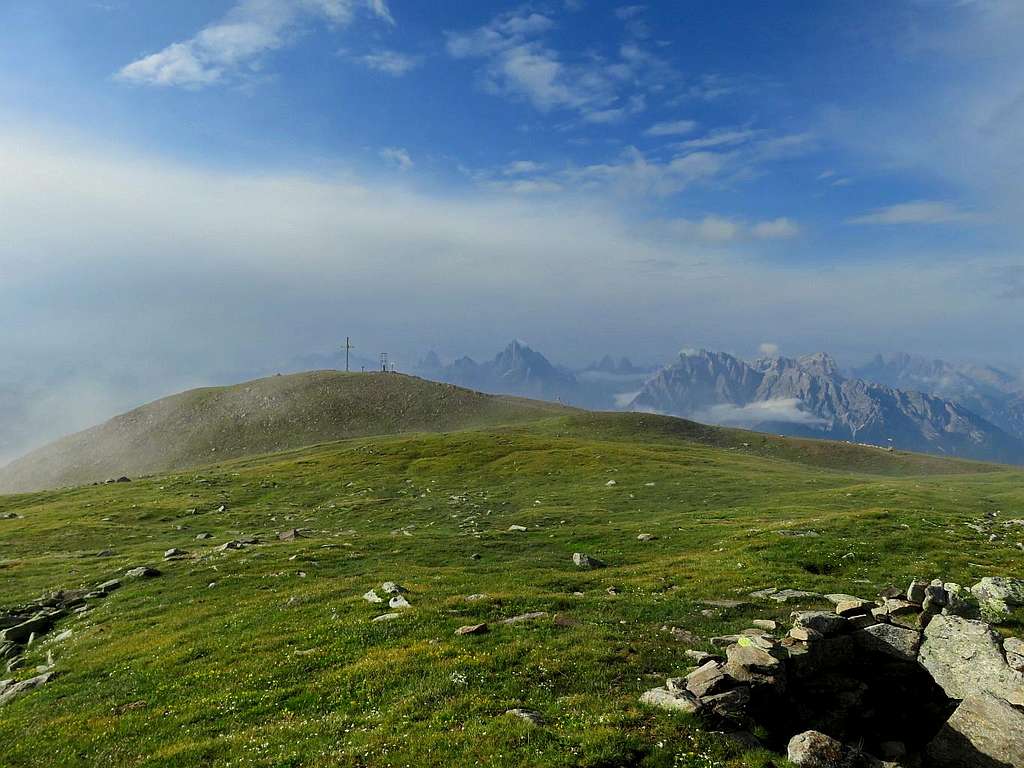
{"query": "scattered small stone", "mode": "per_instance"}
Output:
(398, 601)
(532, 616)
(531, 717)
(766, 624)
(518, 528)
(141, 572)
(203, 536)
(472, 629)
(386, 617)
(175, 554)
(290, 535)
(646, 537)
(476, 598)
(586, 561)
(373, 597)
(105, 553)
(109, 586)
(391, 588)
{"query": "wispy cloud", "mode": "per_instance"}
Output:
(724, 229)
(397, 157)
(673, 128)
(238, 43)
(916, 212)
(391, 63)
(520, 63)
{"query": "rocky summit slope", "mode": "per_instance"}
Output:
(273, 414)
(993, 394)
(810, 396)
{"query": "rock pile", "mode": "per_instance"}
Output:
(915, 677)
(23, 625)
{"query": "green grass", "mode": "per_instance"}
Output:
(268, 668)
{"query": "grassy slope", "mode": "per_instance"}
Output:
(216, 423)
(269, 668)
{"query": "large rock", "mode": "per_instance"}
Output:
(984, 732)
(965, 657)
(13, 691)
(750, 664)
(891, 640)
(675, 701)
(827, 623)
(998, 594)
(813, 749)
(708, 679)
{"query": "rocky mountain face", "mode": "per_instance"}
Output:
(993, 394)
(809, 396)
(520, 370)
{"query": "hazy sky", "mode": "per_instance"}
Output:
(191, 189)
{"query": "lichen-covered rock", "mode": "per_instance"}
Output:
(984, 732)
(997, 595)
(965, 657)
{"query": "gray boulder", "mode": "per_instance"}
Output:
(141, 572)
(674, 701)
(898, 642)
(984, 732)
(12, 691)
(1014, 649)
(709, 678)
(827, 623)
(965, 657)
(813, 749)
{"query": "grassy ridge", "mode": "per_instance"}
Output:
(273, 414)
(273, 668)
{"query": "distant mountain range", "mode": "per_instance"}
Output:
(520, 370)
(902, 402)
(809, 396)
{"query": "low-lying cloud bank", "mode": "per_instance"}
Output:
(170, 275)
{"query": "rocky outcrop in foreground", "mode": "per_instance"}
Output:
(912, 679)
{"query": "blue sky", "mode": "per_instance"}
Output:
(194, 188)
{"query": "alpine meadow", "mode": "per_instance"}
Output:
(546, 384)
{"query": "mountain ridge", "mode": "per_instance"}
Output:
(809, 395)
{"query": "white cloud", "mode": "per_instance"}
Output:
(398, 157)
(768, 349)
(520, 167)
(722, 229)
(776, 229)
(722, 137)
(519, 64)
(390, 62)
(158, 267)
(916, 212)
(674, 128)
(788, 411)
(237, 43)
